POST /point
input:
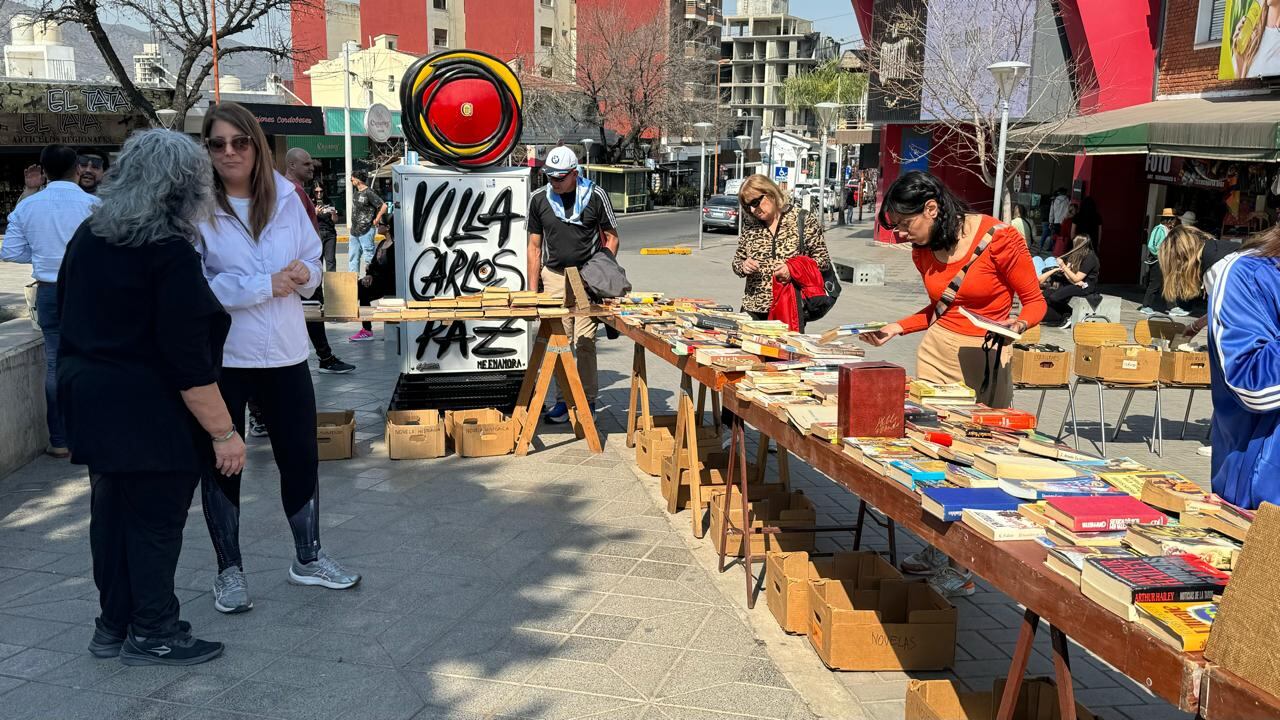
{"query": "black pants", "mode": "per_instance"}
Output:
(329, 251)
(135, 535)
(1154, 298)
(367, 294)
(1059, 302)
(726, 417)
(287, 403)
(319, 340)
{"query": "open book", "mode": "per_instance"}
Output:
(990, 325)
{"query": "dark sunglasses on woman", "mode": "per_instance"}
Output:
(239, 143)
(753, 204)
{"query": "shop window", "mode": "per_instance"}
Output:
(1210, 18)
(440, 4)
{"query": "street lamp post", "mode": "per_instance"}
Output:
(586, 150)
(702, 130)
(826, 116)
(346, 128)
(1006, 75)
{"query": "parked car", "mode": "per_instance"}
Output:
(720, 212)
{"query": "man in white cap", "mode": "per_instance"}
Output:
(569, 220)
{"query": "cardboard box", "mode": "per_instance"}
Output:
(414, 434)
(480, 433)
(1184, 368)
(1033, 367)
(652, 446)
(900, 626)
(1130, 364)
(945, 700)
(335, 434)
(341, 298)
(787, 576)
(770, 505)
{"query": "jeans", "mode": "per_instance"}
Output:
(50, 327)
(135, 536)
(358, 245)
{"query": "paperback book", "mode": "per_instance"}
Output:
(1184, 625)
(948, 503)
(917, 474)
(1001, 525)
(1212, 548)
(1118, 583)
(1068, 560)
(1070, 487)
(1102, 512)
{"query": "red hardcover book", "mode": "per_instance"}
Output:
(1172, 578)
(1099, 513)
(1004, 418)
(871, 400)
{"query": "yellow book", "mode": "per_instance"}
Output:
(1184, 625)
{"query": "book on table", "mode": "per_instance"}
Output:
(1212, 548)
(1035, 512)
(1008, 418)
(1173, 492)
(1184, 625)
(1118, 583)
(1068, 487)
(1047, 447)
(915, 474)
(1020, 467)
(1001, 525)
(940, 393)
(962, 476)
(1063, 536)
(1068, 560)
(1102, 512)
(948, 503)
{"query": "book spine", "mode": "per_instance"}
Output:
(1185, 595)
(1092, 523)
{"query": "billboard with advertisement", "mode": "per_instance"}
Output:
(1250, 40)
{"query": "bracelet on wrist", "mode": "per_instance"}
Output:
(224, 438)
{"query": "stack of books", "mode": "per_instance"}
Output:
(1118, 584)
(926, 393)
(1098, 520)
(1162, 539)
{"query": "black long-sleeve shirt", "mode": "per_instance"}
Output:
(139, 325)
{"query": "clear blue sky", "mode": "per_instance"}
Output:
(834, 18)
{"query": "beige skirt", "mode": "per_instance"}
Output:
(949, 357)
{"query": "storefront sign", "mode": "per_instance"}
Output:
(1250, 41)
(329, 146)
(288, 119)
(333, 122)
(1188, 172)
(39, 129)
(73, 99)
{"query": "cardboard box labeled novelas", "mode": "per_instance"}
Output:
(335, 434)
(1036, 367)
(414, 434)
(787, 576)
(1184, 368)
(900, 626)
(480, 433)
(769, 505)
(946, 700)
(341, 298)
(1130, 364)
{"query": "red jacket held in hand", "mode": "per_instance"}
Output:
(790, 298)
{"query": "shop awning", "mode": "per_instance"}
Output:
(1242, 128)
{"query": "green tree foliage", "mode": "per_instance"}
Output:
(827, 82)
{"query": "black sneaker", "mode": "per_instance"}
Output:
(335, 366)
(106, 643)
(257, 428)
(178, 649)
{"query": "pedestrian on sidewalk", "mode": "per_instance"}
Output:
(327, 217)
(569, 220)
(262, 256)
(771, 235)
(379, 279)
(1058, 208)
(39, 229)
(1152, 301)
(300, 169)
(967, 260)
(142, 338)
(367, 208)
(1022, 225)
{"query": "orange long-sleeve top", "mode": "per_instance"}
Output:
(1003, 270)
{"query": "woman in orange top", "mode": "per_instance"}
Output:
(944, 235)
(918, 208)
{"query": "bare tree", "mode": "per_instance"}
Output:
(941, 68)
(183, 27)
(633, 80)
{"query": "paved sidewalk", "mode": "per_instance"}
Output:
(547, 586)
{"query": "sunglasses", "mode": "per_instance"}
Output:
(902, 223)
(556, 176)
(93, 162)
(239, 143)
(754, 204)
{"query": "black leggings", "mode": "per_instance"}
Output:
(1059, 302)
(726, 417)
(287, 403)
(1154, 297)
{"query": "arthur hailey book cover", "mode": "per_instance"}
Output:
(1174, 578)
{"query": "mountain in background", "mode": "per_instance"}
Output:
(128, 41)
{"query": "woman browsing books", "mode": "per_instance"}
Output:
(987, 261)
(984, 263)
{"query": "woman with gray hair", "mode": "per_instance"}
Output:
(138, 383)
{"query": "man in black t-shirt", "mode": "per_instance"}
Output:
(366, 212)
(569, 220)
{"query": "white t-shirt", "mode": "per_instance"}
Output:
(241, 208)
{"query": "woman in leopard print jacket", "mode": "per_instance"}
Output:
(771, 236)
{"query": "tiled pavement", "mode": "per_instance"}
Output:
(546, 586)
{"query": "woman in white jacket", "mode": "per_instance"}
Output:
(261, 257)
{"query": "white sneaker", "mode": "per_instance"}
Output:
(1179, 312)
(950, 583)
(926, 562)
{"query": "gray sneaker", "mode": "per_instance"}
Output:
(325, 572)
(230, 592)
